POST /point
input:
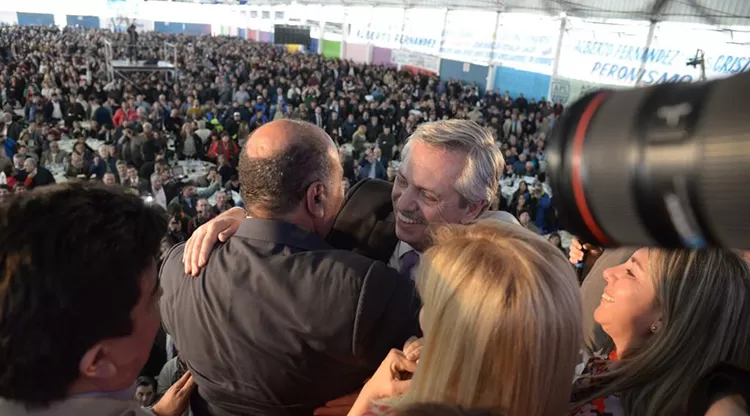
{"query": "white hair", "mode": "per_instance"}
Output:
(484, 162)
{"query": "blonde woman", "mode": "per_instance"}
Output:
(47, 88)
(673, 315)
(501, 318)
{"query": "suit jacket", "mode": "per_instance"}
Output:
(386, 142)
(364, 170)
(43, 177)
(49, 108)
(507, 128)
(314, 120)
(365, 224)
(77, 407)
(278, 322)
(48, 158)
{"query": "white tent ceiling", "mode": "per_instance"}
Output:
(713, 12)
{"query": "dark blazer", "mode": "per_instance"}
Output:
(365, 224)
(278, 322)
(43, 177)
(364, 170)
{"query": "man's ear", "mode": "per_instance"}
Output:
(316, 199)
(473, 211)
(97, 363)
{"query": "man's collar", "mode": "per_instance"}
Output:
(125, 394)
(281, 232)
(402, 248)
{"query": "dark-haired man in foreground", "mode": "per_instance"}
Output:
(278, 322)
(79, 302)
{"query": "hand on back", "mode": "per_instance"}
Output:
(205, 237)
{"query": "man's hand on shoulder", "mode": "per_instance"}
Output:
(201, 243)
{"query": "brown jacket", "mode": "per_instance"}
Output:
(77, 407)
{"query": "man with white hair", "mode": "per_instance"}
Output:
(36, 175)
(449, 174)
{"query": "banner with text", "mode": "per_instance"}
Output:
(423, 30)
(725, 52)
(383, 29)
(627, 61)
(420, 60)
(566, 90)
(469, 36)
(518, 47)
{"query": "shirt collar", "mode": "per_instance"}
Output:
(126, 394)
(280, 232)
(404, 248)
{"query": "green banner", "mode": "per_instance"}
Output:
(331, 49)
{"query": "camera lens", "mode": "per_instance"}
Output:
(667, 165)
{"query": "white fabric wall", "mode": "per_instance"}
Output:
(519, 48)
(8, 18)
(357, 52)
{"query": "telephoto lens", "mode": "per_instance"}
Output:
(667, 165)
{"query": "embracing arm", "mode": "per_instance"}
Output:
(203, 240)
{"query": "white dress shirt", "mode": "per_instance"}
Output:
(56, 111)
(401, 249)
(160, 198)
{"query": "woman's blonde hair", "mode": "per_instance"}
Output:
(704, 297)
(502, 321)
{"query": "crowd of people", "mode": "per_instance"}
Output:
(325, 292)
(55, 87)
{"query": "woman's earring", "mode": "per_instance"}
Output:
(653, 328)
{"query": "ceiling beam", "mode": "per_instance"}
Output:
(656, 9)
(554, 7)
(701, 11)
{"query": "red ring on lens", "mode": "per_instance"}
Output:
(576, 171)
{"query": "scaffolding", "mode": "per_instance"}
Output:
(120, 59)
(108, 61)
(169, 53)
